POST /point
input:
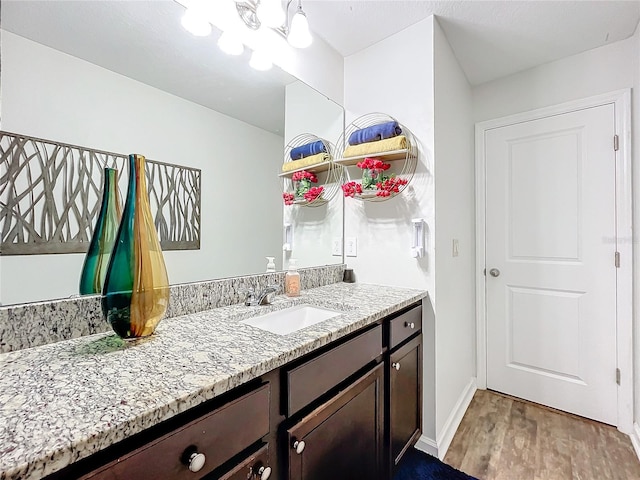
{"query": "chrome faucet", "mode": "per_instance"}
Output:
(261, 298)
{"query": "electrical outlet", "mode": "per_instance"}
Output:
(351, 247)
(336, 246)
(456, 248)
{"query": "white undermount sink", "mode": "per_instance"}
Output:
(292, 319)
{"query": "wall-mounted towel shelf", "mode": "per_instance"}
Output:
(403, 161)
(327, 173)
(316, 168)
(386, 156)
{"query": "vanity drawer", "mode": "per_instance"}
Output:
(253, 467)
(219, 436)
(404, 326)
(315, 377)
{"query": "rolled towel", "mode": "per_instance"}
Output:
(305, 162)
(307, 150)
(381, 146)
(375, 133)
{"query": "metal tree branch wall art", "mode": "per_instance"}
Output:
(50, 197)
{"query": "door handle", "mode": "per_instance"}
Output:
(494, 272)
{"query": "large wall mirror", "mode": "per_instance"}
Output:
(125, 77)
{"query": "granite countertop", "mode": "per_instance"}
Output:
(64, 401)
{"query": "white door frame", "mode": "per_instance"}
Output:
(624, 238)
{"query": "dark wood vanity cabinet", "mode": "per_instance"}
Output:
(341, 439)
(348, 410)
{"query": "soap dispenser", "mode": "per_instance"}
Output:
(271, 264)
(292, 280)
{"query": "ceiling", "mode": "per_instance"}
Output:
(145, 41)
(491, 39)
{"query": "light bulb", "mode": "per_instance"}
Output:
(260, 61)
(299, 35)
(195, 24)
(270, 13)
(230, 44)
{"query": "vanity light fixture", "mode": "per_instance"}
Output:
(269, 13)
(255, 15)
(230, 44)
(260, 60)
(299, 35)
(195, 23)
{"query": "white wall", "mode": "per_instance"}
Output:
(589, 73)
(605, 69)
(377, 80)
(51, 95)
(319, 66)
(314, 228)
(455, 219)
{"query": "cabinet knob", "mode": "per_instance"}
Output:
(410, 325)
(196, 461)
(395, 365)
(264, 472)
(298, 446)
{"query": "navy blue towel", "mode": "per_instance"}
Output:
(307, 150)
(375, 133)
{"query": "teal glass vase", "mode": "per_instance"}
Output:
(136, 289)
(94, 268)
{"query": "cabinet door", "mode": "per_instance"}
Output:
(342, 439)
(405, 397)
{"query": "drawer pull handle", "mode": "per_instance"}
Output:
(410, 325)
(196, 461)
(299, 446)
(395, 365)
(264, 472)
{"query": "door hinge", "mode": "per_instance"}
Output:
(618, 376)
(616, 142)
(617, 259)
(484, 272)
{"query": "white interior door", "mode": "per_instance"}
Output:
(550, 239)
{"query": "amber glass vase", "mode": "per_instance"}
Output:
(94, 269)
(136, 288)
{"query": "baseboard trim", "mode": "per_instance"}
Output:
(635, 439)
(427, 445)
(443, 441)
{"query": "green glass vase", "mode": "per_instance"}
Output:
(94, 268)
(136, 289)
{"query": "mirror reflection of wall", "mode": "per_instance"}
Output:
(314, 228)
(60, 83)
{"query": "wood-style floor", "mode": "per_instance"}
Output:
(505, 438)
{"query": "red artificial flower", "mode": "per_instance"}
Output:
(288, 198)
(304, 175)
(313, 194)
(389, 186)
(373, 164)
(350, 189)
